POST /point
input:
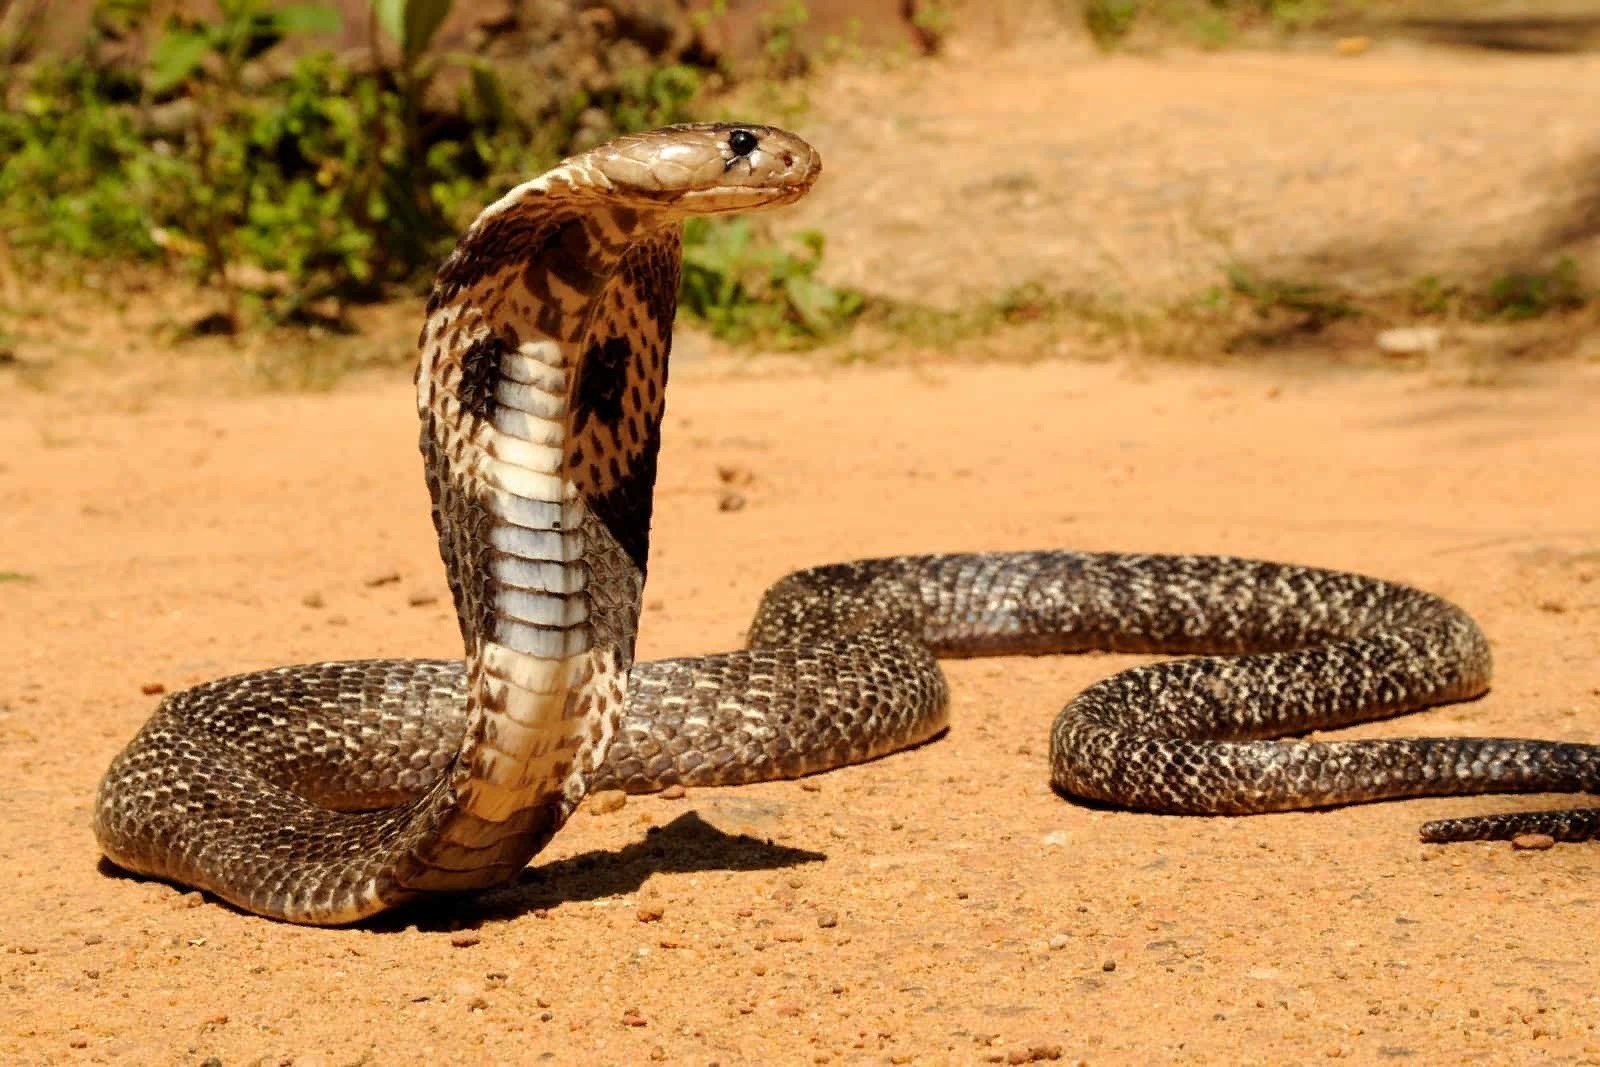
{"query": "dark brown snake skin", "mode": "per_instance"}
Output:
(327, 792)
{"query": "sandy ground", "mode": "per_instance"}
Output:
(1144, 176)
(940, 905)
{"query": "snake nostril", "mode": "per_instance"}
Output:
(788, 159)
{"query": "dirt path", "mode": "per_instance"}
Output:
(937, 906)
(1142, 177)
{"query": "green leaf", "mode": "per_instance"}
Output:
(308, 18)
(491, 98)
(412, 23)
(391, 16)
(423, 19)
(175, 58)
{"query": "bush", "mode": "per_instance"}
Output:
(745, 288)
(292, 188)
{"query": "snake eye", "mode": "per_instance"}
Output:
(743, 142)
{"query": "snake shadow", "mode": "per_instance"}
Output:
(686, 845)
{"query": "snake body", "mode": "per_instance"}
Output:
(324, 793)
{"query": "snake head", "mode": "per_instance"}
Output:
(706, 168)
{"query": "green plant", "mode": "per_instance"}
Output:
(1314, 304)
(782, 53)
(1431, 295)
(291, 186)
(1109, 21)
(646, 97)
(745, 288)
(1529, 294)
(932, 21)
(204, 60)
(1293, 14)
(1207, 23)
(412, 24)
(74, 174)
(1210, 29)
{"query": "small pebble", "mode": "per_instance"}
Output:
(421, 599)
(731, 501)
(1532, 842)
(650, 913)
(674, 792)
(313, 599)
(381, 578)
(1406, 341)
(1059, 942)
(464, 940)
(606, 801)
(1108, 966)
(151, 689)
(477, 1004)
(632, 1018)
(811, 785)
(828, 920)
(730, 474)
(338, 620)
(788, 935)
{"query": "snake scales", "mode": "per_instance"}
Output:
(327, 792)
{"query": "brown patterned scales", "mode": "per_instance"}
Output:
(327, 792)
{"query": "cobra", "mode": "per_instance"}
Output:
(327, 792)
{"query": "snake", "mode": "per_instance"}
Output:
(326, 793)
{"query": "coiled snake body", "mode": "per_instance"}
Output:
(327, 792)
